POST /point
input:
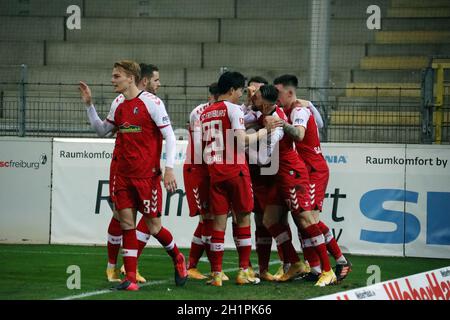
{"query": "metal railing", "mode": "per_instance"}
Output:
(365, 115)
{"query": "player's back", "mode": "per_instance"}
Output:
(194, 147)
(225, 157)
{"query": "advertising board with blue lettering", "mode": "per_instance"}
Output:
(389, 199)
(381, 199)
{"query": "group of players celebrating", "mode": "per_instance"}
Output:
(263, 156)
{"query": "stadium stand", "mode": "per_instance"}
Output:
(370, 70)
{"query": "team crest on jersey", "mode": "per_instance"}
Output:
(129, 128)
(135, 110)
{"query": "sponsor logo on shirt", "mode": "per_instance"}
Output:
(213, 114)
(129, 128)
(299, 121)
(166, 120)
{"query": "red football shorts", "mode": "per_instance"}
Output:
(196, 185)
(232, 194)
(318, 181)
(112, 173)
(143, 194)
(291, 189)
(265, 192)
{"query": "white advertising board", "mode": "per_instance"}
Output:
(427, 208)
(430, 285)
(25, 178)
(81, 213)
(368, 193)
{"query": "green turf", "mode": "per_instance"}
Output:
(39, 272)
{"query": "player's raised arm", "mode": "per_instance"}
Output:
(317, 116)
(103, 128)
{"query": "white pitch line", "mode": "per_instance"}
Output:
(150, 283)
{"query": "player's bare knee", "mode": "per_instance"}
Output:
(315, 215)
(243, 219)
(116, 215)
(127, 224)
(306, 219)
(220, 222)
(153, 225)
(268, 221)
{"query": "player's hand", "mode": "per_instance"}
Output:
(251, 91)
(271, 123)
(85, 92)
(169, 180)
(250, 94)
(302, 103)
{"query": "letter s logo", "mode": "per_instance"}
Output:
(371, 206)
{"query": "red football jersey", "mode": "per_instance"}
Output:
(288, 157)
(139, 140)
(225, 159)
(194, 148)
(118, 100)
(309, 148)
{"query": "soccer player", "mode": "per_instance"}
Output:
(142, 122)
(149, 82)
(289, 186)
(223, 134)
(150, 78)
(308, 147)
(311, 233)
(114, 230)
(196, 182)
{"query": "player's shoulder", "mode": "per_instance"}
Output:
(117, 101)
(198, 110)
(150, 99)
(304, 103)
(280, 113)
(301, 111)
(232, 107)
(201, 107)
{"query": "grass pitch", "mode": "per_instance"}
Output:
(40, 272)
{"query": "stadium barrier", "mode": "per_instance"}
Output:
(430, 285)
(388, 199)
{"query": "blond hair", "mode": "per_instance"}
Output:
(131, 68)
